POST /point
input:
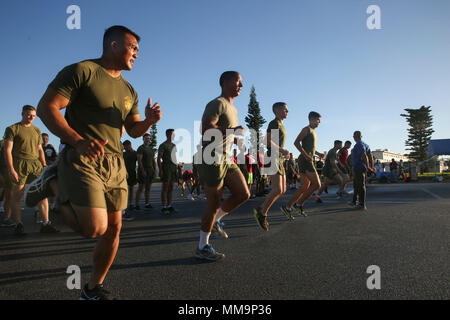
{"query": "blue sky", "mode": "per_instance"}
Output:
(315, 55)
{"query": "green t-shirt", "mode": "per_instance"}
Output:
(130, 158)
(148, 156)
(227, 117)
(330, 158)
(98, 103)
(309, 142)
(26, 141)
(277, 124)
(166, 148)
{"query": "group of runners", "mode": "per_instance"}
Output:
(90, 180)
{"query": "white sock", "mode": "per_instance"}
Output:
(204, 239)
(220, 215)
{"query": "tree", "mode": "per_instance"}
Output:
(254, 121)
(153, 140)
(419, 133)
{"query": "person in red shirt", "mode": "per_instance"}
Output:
(344, 166)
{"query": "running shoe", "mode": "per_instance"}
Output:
(19, 230)
(352, 204)
(218, 230)
(137, 208)
(148, 206)
(172, 210)
(126, 216)
(208, 253)
(40, 188)
(98, 293)
(300, 211)
(287, 212)
(7, 223)
(360, 207)
(48, 228)
(261, 219)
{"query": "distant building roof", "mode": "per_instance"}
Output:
(439, 147)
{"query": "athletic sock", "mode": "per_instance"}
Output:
(220, 215)
(204, 239)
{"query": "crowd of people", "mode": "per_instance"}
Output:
(94, 175)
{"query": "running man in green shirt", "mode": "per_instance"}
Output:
(331, 171)
(277, 153)
(219, 127)
(91, 182)
(310, 182)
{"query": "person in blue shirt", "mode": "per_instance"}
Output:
(362, 162)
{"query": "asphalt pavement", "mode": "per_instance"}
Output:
(405, 233)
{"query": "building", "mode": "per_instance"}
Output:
(384, 155)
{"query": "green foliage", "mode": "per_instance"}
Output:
(153, 140)
(420, 130)
(254, 120)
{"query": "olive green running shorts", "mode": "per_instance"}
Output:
(27, 170)
(213, 175)
(99, 183)
(306, 166)
(148, 179)
(280, 166)
(169, 173)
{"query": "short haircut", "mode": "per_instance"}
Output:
(278, 105)
(348, 142)
(314, 115)
(116, 33)
(169, 132)
(227, 75)
(126, 143)
(45, 134)
(145, 135)
(336, 142)
(28, 108)
(357, 134)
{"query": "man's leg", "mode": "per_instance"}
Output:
(304, 185)
(313, 177)
(43, 209)
(16, 197)
(170, 193)
(130, 195)
(148, 188)
(106, 249)
(139, 193)
(278, 188)
(7, 203)
(239, 191)
(164, 189)
(213, 196)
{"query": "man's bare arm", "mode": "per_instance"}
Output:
(42, 155)
(136, 127)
